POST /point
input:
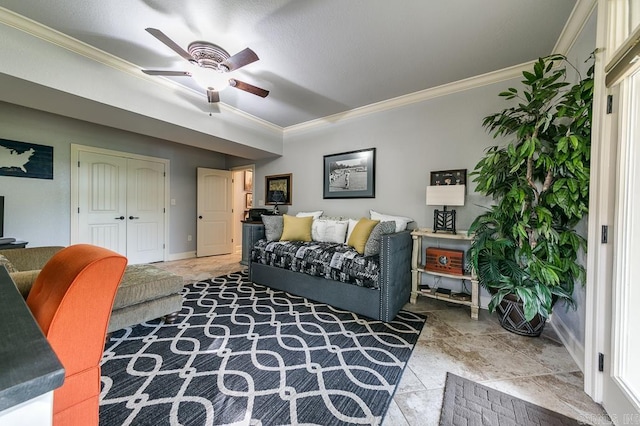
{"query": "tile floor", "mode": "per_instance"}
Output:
(539, 370)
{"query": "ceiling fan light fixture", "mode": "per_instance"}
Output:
(210, 79)
(210, 64)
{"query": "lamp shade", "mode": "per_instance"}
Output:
(445, 195)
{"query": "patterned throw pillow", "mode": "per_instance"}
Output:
(273, 226)
(7, 264)
(329, 231)
(373, 243)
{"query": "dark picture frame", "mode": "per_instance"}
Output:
(278, 189)
(350, 174)
(449, 177)
(248, 200)
(27, 160)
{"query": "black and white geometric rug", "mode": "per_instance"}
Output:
(244, 354)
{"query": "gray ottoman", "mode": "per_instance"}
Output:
(145, 293)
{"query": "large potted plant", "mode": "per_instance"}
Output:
(525, 247)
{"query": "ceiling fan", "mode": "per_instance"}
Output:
(211, 62)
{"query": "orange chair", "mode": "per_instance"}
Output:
(71, 300)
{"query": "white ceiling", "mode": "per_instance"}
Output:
(318, 57)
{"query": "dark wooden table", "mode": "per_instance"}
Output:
(14, 245)
(28, 366)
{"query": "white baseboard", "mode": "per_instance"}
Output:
(181, 256)
(575, 348)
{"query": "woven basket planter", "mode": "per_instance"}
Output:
(511, 316)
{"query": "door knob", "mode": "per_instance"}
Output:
(199, 217)
(133, 217)
(120, 218)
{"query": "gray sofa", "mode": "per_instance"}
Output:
(382, 303)
(145, 292)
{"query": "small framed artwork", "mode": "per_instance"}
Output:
(449, 177)
(248, 200)
(278, 189)
(350, 174)
(248, 180)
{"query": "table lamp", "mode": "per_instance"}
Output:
(276, 197)
(445, 195)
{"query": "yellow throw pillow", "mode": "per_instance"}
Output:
(360, 234)
(296, 228)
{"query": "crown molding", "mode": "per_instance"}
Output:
(575, 24)
(571, 31)
(57, 38)
(412, 98)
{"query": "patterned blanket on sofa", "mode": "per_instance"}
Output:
(338, 262)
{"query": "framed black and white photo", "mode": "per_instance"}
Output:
(278, 189)
(449, 177)
(350, 174)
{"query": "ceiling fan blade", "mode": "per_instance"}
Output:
(248, 88)
(241, 59)
(213, 96)
(168, 73)
(170, 43)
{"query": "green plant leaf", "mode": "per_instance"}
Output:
(524, 244)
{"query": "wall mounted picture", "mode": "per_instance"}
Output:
(449, 177)
(278, 189)
(21, 159)
(248, 180)
(350, 174)
(248, 200)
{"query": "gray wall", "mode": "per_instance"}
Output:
(574, 321)
(438, 134)
(38, 210)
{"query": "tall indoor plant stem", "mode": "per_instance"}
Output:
(525, 245)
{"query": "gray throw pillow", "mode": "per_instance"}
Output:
(273, 226)
(373, 243)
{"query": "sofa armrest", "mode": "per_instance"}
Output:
(395, 272)
(32, 258)
(251, 233)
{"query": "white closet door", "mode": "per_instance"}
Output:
(121, 205)
(102, 201)
(145, 211)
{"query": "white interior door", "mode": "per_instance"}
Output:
(121, 205)
(145, 211)
(621, 393)
(215, 212)
(102, 201)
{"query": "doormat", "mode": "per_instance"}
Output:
(470, 403)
